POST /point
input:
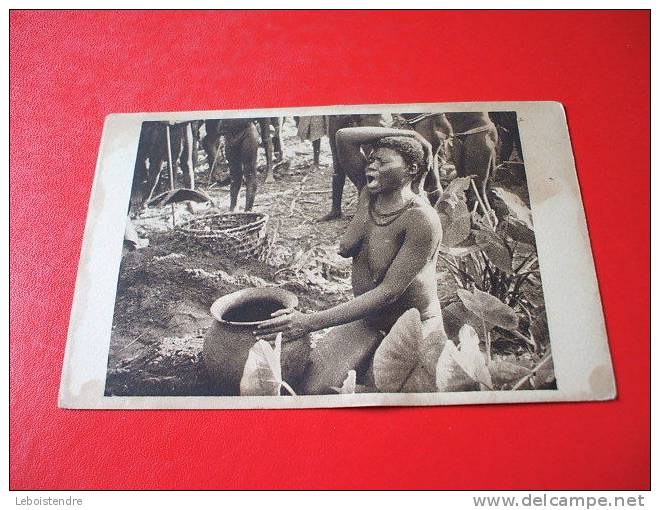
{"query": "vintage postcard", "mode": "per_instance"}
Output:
(411, 254)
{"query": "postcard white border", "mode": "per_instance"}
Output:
(582, 361)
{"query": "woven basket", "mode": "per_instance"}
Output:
(240, 235)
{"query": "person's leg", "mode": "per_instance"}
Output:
(276, 122)
(479, 160)
(249, 148)
(335, 123)
(235, 171)
(177, 143)
(264, 127)
(211, 144)
(316, 147)
(344, 348)
(187, 159)
(143, 177)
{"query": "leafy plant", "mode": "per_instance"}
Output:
(463, 368)
(262, 374)
(495, 254)
(349, 385)
(405, 361)
(490, 311)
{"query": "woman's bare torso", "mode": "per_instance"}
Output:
(377, 247)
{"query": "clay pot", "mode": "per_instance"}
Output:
(229, 340)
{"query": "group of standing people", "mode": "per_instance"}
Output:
(467, 140)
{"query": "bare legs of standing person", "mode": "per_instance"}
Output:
(242, 156)
(335, 123)
(475, 155)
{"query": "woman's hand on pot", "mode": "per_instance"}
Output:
(292, 323)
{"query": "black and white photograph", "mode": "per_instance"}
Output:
(334, 254)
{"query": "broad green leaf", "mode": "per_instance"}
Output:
(473, 360)
(456, 221)
(545, 376)
(539, 328)
(402, 358)
(262, 374)
(454, 214)
(494, 247)
(506, 374)
(455, 316)
(515, 205)
(422, 378)
(348, 386)
(518, 231)
(489, 309)
(464, 369)
(465, 247)
(396, 356)
(449, 374)
(456, 186)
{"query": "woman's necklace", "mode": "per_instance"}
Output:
(385, 219)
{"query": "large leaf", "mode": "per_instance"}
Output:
(456, 221)
(489, 309)
(473, 359)
(401, 361)
(397, 356)
(464, 369)
(539, 328)
(454, 214)
(450, 375)
(422, 378)
(517, 209)
(262, 374)
(506, 374)
(456, 187)
(518, 231)
(464, 248)
(455, 316)
(348, 386)
(495, 249)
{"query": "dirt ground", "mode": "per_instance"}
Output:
(166, 289)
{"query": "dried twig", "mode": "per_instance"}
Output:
(292, 207)
(131, 343)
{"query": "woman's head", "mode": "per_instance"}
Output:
(410, 149)
(393, 159)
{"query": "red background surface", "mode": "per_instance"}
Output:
(70, 69)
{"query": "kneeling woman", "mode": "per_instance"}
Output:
(393, 240)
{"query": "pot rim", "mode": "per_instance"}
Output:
(224, 303)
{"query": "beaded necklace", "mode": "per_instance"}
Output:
(385, 219)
